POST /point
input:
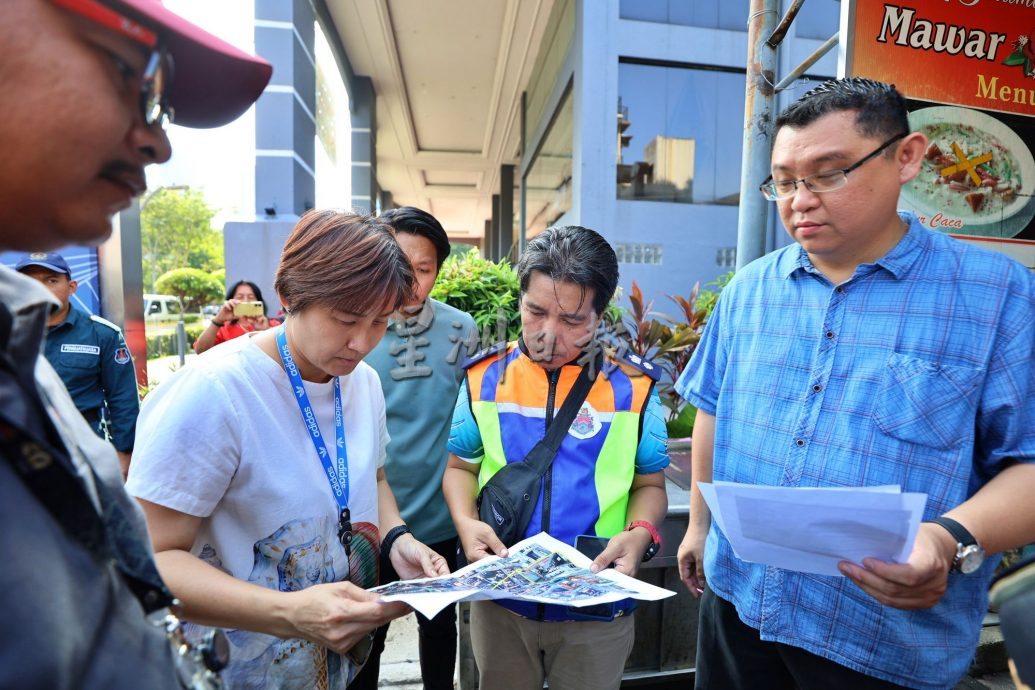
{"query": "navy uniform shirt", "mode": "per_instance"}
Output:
(91, 357)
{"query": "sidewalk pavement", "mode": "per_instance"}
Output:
(400, 663)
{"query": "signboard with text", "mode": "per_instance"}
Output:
(968, 68)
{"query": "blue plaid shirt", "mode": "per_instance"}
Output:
(917, 371)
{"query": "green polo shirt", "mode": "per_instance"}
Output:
(420, 363)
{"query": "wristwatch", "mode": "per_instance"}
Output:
(969, 554)
(655, 538)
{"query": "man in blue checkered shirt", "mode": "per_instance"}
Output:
(871, 352)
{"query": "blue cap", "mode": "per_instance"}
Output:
(51, 261)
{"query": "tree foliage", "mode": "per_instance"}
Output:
(192, 285)
(176, 232)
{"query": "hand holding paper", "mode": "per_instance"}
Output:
(811, 530)
(917, 584)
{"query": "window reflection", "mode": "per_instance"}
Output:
(710, 14)
(548, 181)
(818, 19)
(679, 136)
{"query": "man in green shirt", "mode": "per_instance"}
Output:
(420, 364)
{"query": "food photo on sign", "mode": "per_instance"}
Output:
(977, 178)
(968, 70)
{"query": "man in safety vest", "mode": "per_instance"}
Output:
(606, 480)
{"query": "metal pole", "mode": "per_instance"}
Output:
(521, 181)
(776, 38)
(181, 341)
(759, 102)
(808, 62)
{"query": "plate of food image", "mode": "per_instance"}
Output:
(977, 176)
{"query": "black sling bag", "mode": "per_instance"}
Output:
(508, 499)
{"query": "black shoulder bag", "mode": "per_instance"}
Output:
(508, 499)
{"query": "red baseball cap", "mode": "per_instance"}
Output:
(212, 82)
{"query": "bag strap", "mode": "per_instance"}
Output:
(543, 453)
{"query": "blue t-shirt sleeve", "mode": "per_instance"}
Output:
(701, 381)
(652, 452)
(465, 439)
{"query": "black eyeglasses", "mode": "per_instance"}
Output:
(153, 82)
(826, 181)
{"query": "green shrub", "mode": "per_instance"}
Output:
(482, 288)
(192, 285)
(219, 275)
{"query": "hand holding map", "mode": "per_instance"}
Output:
(539, 568)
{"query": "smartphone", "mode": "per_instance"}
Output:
(248, 309)
(591, 546)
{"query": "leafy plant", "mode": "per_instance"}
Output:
(706, 299)
(192, 285)
(669, 341)
(484, 289)
(220, 275)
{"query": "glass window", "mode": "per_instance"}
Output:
(548, 180)
(819, 19)
(679, 134)
(710, 14)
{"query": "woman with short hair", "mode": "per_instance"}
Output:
(259, 468)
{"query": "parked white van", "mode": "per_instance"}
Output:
(162, 308)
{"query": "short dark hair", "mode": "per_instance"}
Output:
(572, 254)
(255, 288)
(348, 262)
(418, 222)
(880, 110)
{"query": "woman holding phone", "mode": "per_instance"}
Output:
(243, 312)
(259, 468)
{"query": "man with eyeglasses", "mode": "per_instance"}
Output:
(871, 352)
(86, 90)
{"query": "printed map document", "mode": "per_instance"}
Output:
(811, 529)
(539, 568)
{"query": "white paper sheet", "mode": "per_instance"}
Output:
(539, 568)
(811, 530)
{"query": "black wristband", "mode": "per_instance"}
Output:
(217, 324)
(389, 541)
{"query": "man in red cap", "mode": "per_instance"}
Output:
(86, 90)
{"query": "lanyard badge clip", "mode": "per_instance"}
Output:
(345, 531)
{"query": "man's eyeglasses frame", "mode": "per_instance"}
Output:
(153, 107)
(830, 182)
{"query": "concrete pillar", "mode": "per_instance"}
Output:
(364, 149)
(497, 250)
(506, 225)
(285, 115)
(487, 240)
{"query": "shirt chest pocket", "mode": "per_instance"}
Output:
(81, 359)
(927, 403)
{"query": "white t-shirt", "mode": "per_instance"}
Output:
(223, 439)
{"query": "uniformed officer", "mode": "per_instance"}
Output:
(91, 357)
